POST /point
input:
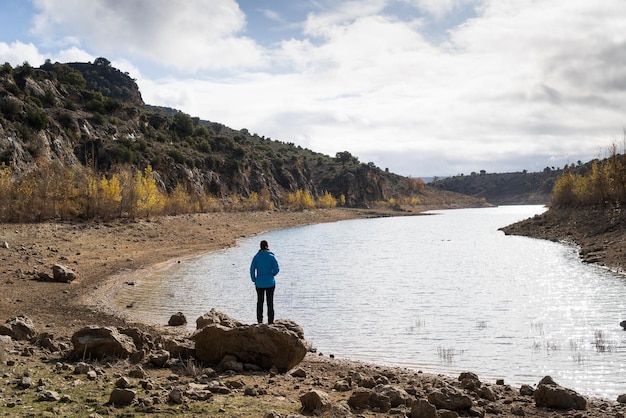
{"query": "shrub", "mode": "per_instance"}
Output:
(36, 119)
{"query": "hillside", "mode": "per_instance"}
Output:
(90, 116)
(520, 188)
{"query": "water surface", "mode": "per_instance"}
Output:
(446, 292)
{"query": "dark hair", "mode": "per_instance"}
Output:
(264, 245)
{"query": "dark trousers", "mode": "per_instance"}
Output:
(260, 298)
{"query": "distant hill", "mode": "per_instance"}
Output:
(92, 116)
(503, 188)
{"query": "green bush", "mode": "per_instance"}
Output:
(36, 119)
(10, 108)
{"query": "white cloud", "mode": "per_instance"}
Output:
(342, 13)
(535, 83)
(72, 54)
(543, 79)
(440, 8)
(186, 35)
(16, 53)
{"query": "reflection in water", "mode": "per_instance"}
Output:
(441, 293)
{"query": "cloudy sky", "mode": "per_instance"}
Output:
(422, 87)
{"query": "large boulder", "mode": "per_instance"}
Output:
(551, 395)
(216, 317)
(99, 342)
(279, 345)
(19, 328)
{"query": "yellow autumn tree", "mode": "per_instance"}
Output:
(326, 200)
(5, 192)
(179, 201)
(110, 193)
(149, 200)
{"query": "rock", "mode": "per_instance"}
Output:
(232, 365)
(177, 320)
(159, 358)
(25, 382)
(450, 398)
(176, 396)
(218, 387)
(141, 339)
(138, 372)
(122, 383)
(137, 357)
(360, 398)
(46, 340)
(100, 342)
(122, 397)
(62, 274)
(299, 372)
(216, 317)
(363, 381)
(267, 346)
(179, 348)
(623, 324)
(5, 245)
(81, 368)
(486, 393)
(315, 401)
(526, 390)
(379, 402)
(518, 411)
(19, 328)
(551, 395)
(395, 395)
(342, 386)
(421, 408)
(48, 396)
(469, 381)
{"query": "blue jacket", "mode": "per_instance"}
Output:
(263, 269)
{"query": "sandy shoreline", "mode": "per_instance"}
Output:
(106, 256)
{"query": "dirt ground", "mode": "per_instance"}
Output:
(96, 252)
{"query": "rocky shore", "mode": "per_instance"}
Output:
(598, 232)
(44, 376)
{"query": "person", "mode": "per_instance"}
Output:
(263, 269)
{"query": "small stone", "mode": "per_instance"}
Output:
(82, 368)
(122, 383)
(176, 396)
(48, 396)
(25, 382)
(177, 319)
(299, 372)
(122, 397)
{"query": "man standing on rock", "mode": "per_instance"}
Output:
(262, 271)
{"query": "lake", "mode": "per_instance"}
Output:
(444, 292)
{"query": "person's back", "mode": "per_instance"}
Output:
(262, 271)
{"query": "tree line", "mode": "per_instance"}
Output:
(603, 183)
(54, 191)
